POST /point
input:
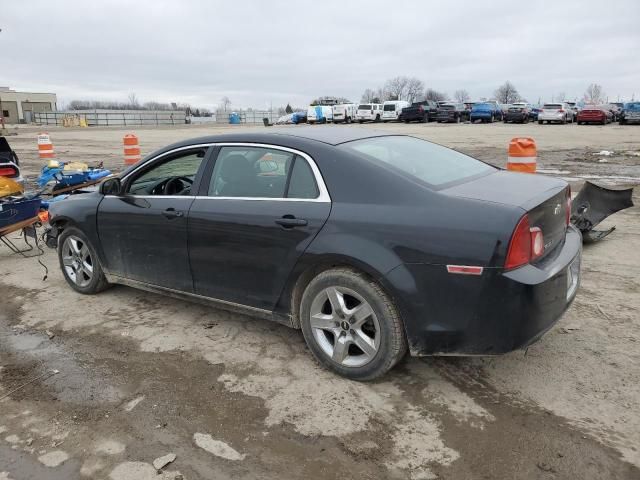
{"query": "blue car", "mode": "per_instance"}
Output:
(630, 113)
(299, 117)
(487, 112)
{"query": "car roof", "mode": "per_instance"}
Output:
(330, 135)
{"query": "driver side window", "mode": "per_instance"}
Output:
(172, 176)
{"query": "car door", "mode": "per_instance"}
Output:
(143, 231)
(257, 212)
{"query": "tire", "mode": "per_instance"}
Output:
(621, 121)
(74, 246)
(360, 121)
(377, 118)
(385, 348)
(458, 119)
(539, 122)
(425, 118)
(406, 121)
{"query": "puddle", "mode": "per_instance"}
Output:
(75, 382)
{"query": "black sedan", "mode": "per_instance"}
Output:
(517, 115)
(372, 244)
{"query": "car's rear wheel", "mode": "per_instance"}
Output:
(351, 326)
(79, 263)
(539, 122)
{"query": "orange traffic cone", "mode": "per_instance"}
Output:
(522, 155)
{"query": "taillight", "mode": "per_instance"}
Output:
(568, 212)
(526, 244)
(561, 111)
(8, 172)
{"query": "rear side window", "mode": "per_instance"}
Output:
(250, 172)
(302, 183)
(427, 162)
(257, 172)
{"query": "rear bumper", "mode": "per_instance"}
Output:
(481, 116)
(551, 117)
(491, 314)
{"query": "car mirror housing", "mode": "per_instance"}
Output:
(111, 186)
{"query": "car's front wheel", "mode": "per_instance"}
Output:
(350, 324)
(79, 263)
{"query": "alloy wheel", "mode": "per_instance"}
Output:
(345, 326)
(77, 261)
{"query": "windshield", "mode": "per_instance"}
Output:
(427, 162)
(389, 107)
(635, 106)
(364, 107)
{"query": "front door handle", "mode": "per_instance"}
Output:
(171, 213)
(289, 221)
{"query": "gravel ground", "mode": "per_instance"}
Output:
(141, 376)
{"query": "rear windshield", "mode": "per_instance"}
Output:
(389, 107)
(482, 106)
(552, 106)
(427, 162)
(364, 107)
(515, 109)
(447, 107)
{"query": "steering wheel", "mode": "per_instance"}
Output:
(176, 185)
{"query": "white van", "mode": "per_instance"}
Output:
(391, 109)
(369, 112)
(344, 112)
(319, 114)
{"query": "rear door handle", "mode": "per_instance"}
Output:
(289, 221)
(172, 213)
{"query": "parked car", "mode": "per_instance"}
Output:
(368, 269)
(9, 162)
(533, 113)
(486, 112)
(285, 119)
(599, 115)
(369, 112)
(452, 112)
(299, 117)
(391, 109)
(424, 111)
(574, 108)
(555, 112)
(615, 109)
(344, 112)
(630, 113)
(319, 114)
(517, 114)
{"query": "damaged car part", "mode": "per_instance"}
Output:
(595, 203)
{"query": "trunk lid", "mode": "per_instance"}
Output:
(543, 198)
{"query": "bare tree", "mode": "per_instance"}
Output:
(133, 101)
(594, 94)
(414, 90)
(560, 97)
(225, 102)
(507, 93)
(367, 96)
(461, 96)
(397, 88)
(435, 95)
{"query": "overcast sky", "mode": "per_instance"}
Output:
(264, 52)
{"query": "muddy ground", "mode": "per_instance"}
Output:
(140, 375)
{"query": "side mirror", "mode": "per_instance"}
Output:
(111, 186)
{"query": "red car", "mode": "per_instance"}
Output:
(594, 115)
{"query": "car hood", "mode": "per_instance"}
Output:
(524, 190)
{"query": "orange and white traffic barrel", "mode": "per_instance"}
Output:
(523, 155)
(45, 147)
(131, 149)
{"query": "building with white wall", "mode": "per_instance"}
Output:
(18, 107)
